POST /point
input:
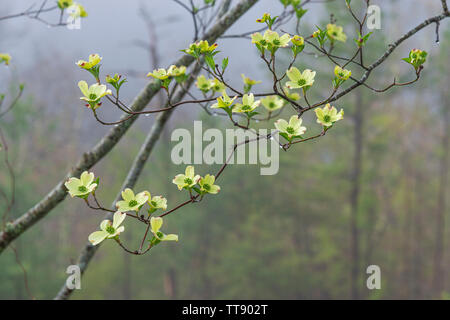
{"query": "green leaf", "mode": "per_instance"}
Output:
(224, 64)
(210, 61)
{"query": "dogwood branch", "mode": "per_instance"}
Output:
(58, 193)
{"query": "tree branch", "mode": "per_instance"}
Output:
(58, 193)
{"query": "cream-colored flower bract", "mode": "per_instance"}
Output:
(79, 11)
(108, 230)
(157, 202)
(217, 86)
(248, 104)
(156, 224)
(93, 94)
(328, 115)
(291, 95)
(94, 59)
(223, 102)
(175, 71)
(272, 103)
(291, 129)
(300, 80)
(341, 75)
(274, 40)
(258, 38)
(132, 202)
(205, 47)
(203, 84)
(271, 40)
(335, 32)
(298, 40)
(160, 74)
(64, 4)
(186, 180)
(5, 58)
(207, 185)
(81, 187)
(200, 47)
(248, 81)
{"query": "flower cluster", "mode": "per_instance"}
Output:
(198, 48)
(85, 185)
(416, 58)
(272, 103)
(108, 229)
(206, 85)
(292, 129)
(93, 94)
(242, 104)
(341, 75)
(271, 41)
(328, 115)
(299, 79)
(166, 76)
(78, 12)
(190, 181)
(333, 33)
(5, 58)
(93, 60)
(248, 83)
(224, 102)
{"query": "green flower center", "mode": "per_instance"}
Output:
(341, 74)
(110, 229)
(205, 85)
(133, 203)
(301, 82)
(263, 42)
(276, 42)
(271, 105)
(188, 181)
(246, 107)
(207, 187)
(82, 189)
(290, 130)
(326, 118)
(153, 203)
(335, 33)
(92, 96)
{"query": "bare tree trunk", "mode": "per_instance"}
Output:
(438, 272)
(170, 283)
(354, 195)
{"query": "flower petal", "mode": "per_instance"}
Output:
(97, 237)
(87, 178)
(128, 194)
(156, 223)
(118, 219)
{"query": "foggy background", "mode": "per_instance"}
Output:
(286, 236)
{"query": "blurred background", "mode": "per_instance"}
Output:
(372, 192)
